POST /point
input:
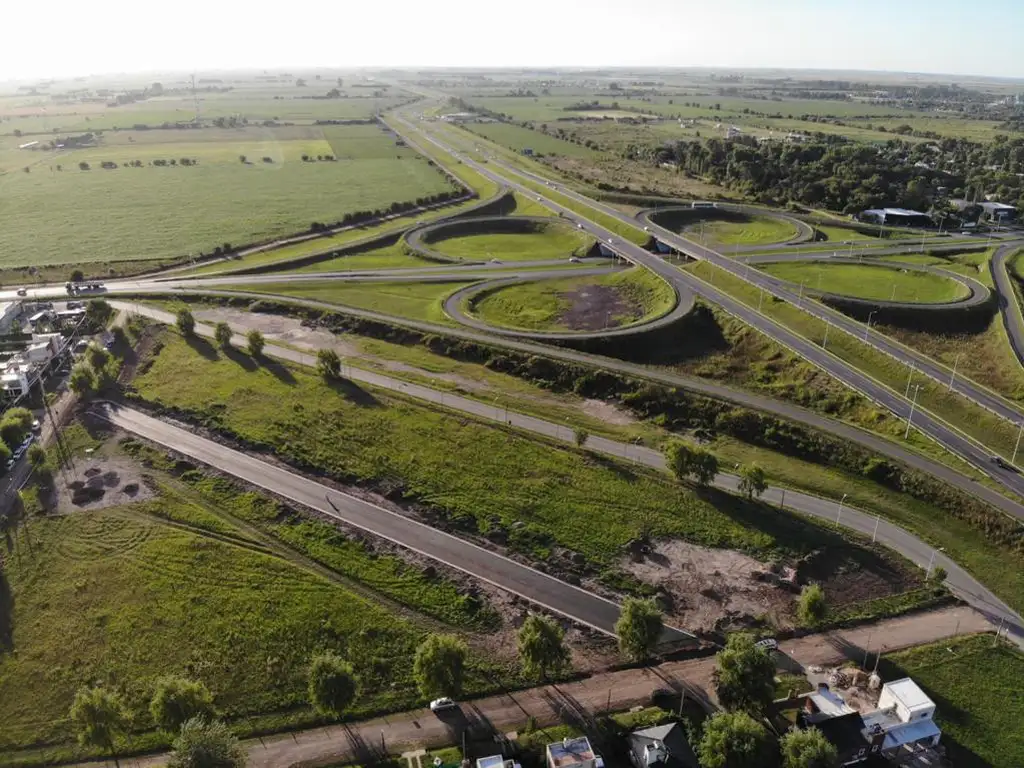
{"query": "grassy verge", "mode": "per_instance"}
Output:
(975, 685)
(867, 281)
(550, 242)
(628, 297)
(475, 476)
(991, 431)
(756, 230)
(417, 301)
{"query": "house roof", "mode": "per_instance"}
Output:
(911, 733)
(846, 732)
(909, 694)
(673, 737)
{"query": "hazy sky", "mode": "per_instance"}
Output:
(61, 37)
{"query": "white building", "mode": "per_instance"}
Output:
(573, 753)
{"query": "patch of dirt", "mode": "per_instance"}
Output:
(857, 575)
(288, 330)
(105, 481)
(706, 590)
(594, 307)
(608, 412)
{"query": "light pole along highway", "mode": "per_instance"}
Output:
(946, 435)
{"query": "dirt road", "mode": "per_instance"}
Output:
(553, 704)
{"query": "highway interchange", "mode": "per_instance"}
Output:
(591, 610)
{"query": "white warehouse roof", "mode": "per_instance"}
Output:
(909, 694)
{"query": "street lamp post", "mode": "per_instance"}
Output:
(867, 328)
(824, 341)
(910, 418)
(909, 379)
(1017, 446)
(840, 514)
(953, 376)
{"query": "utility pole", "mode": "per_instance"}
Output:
(841, 501)
(1015, 447)
(824, 341)
(951, 378)
(909, 379)
(910, 418)
(874, 533)
(867, 328)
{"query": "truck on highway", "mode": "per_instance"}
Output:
(74, 289)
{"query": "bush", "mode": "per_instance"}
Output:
(332, 684)
(222, 334)
(439, 665)
(811, 608)
(185, 321)
(177, 700)
(203, 744)
(255, 343)
(639, 628)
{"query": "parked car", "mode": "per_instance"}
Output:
(769, 644)
(22, 292)
(442, 704)
(36, 426)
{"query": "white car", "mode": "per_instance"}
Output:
(440, 705)
(611, 241)
(574, 260)
(647, 229)
(579, 226)
(769, 644)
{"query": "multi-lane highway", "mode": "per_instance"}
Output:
(940, 431)
(1009, 307)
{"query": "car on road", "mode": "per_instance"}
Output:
(999, 461)
(769, 644)
(574, 260)
(579, 226)
(442, 705)
(36, 426)
(495, 261)
(22, 292)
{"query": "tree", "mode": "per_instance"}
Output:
(939, 574)
(98, 716)
(752, 481)
(807, 748)
(328, 364)
(36, 455)
(96, 356)
(745, 676)
(98, 312)
(541, 646)
(13, 428)
(202, 744)
(332, 684)
(255, 342)
(77, 276)
(438, 666)
(242, 159)
(811, 608)
(177, 700)
(685, 463)
(735, 740)
(639, 628)
(580, 436)
(185, 322)
(222, 334)
(83, 380)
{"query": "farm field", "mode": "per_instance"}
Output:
(517, 138)
(414, 300)
(546, 242)
(606, 301)
(976, 689)
(756, 230)
(220, 585)
(868, 282)
(75, 216)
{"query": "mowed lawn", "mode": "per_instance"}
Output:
(414, 300)
(978, 696)
(553, 242)
(869, 282)
(630, 296)
(756, 230)
(77, 216)
(111, 596)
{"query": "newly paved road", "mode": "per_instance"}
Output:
(911, 547)
(1009, 306)
(555, 595)
(943, 433)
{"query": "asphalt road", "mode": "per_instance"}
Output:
(555, 595)
(950, 437)
(1009, 308)
(829, 510)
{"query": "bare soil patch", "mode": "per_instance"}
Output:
(287, 330)
(96, 483)
(594, 307)
(707, 590)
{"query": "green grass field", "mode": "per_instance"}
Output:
(756, 230)
(841, 234)
(552, 242)
(625, 298)
(384, 257)
(77, 216)
(976, 690)
(869, 282)
(480, 475)
(218, 583)
(414, 300)
(517, 138)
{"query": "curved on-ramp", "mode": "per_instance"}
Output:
(804, 231)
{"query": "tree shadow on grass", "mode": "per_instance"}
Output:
(280, 370)
(350, 390)
(240, 358)
(6, 614)
(202, 347)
